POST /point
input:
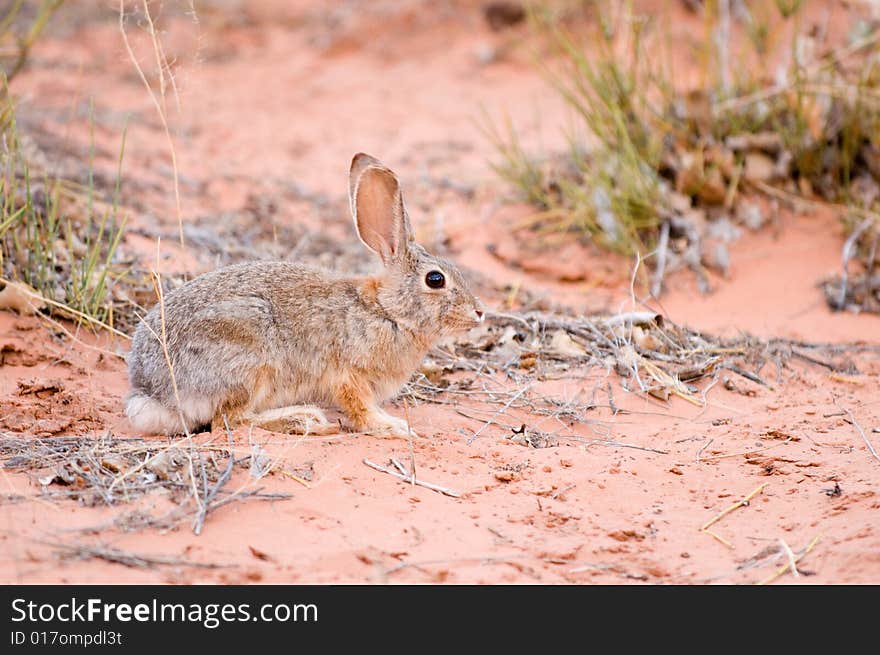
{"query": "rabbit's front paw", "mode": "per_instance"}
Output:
(385, 424)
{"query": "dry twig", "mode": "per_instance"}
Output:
(412, 479)
(133, 560)
(740, 503)
(861, 431)
(790, 565)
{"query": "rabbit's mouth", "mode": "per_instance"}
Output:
(476, 317)
(468, 321)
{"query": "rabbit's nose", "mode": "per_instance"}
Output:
(480, 315)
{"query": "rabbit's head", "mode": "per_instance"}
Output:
(421, 291)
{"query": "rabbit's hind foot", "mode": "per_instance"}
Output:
(293, 419)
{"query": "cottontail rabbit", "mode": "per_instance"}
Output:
(265, 342)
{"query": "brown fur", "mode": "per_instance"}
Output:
(354, 400)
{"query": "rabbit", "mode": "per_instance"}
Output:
(270, 343)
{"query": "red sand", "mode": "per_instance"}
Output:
(272, 95)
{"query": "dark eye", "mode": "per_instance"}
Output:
(435, 280)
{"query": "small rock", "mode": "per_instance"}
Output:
(759, 167)
(750, 215)
(114, 463)
(645, 340)
(503, 13)
(562, 344)
(694, 179)
(723, 229)
(717, 257)
(486, 54)
(166, 463)
(260, 462)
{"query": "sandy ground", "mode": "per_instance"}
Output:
(273, 101)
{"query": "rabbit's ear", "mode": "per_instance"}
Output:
(377, 208)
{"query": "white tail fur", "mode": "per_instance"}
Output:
(148, 416)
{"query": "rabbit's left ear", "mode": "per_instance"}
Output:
(377, 208)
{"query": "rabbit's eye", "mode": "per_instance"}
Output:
(435, 280)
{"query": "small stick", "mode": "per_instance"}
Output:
(813, 360)
(409, 433)
(500, 535)
(717, 536)
(705, 445)
(562, 491)
(618, 444)
(457, 560)
(611, 404)
(747, 452)
(133, 560)
(846, 255)
(740, 503)
(789, 565)
(748, 376)
(792, 564)
(407, 478)
(400, 467)
(499, 412)
(846, 379)
(660, 271)
(295, 478)
(858, 427)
